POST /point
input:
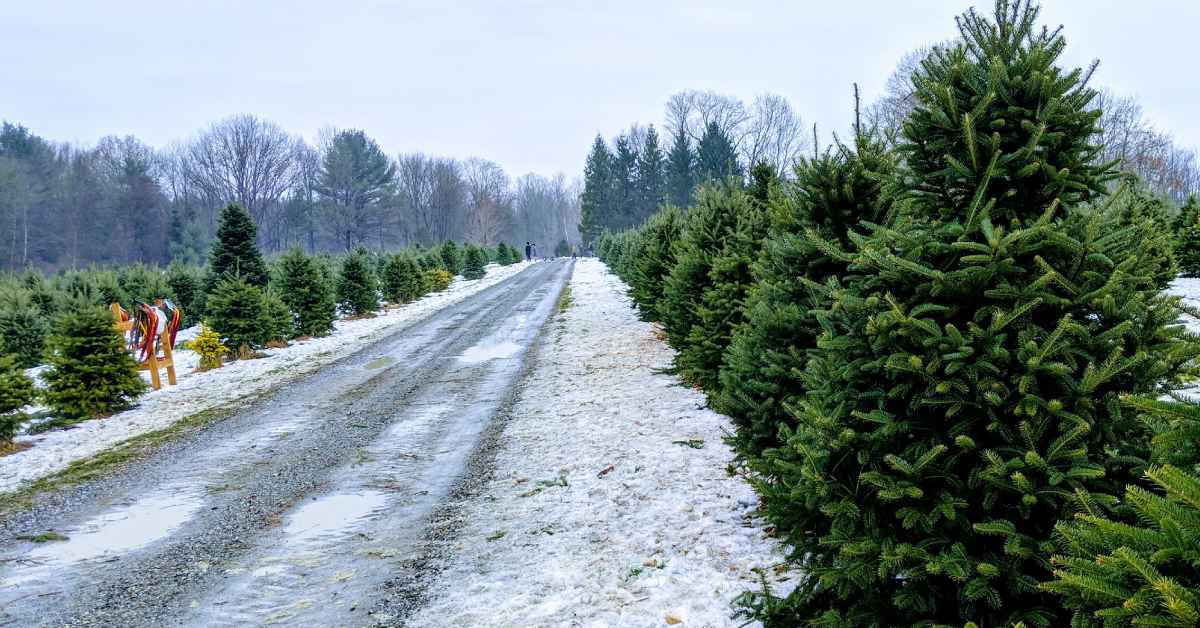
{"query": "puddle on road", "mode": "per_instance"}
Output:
(484, 352)
(109, 535)
(380, 362)
(333, 515)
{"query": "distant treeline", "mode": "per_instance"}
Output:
(122, 201)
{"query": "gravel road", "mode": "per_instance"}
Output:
(304, 507)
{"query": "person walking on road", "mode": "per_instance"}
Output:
(528, 251)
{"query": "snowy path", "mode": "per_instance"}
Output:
(611, 505)
(196, 392)
(299, 509)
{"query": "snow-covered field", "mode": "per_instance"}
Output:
(196, 391)
(611, 504)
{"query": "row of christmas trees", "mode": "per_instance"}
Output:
(945, 360)
(245, 301)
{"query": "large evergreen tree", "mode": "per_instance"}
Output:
(625, 197)
(235, 251)
(596, 202)
(680, 170)
(968, 376)
(356, 176)
(651, 178)
(716, 156)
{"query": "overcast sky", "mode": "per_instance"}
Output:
(526, 84)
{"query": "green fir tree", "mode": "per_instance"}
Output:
(236, 311)
(474, 263)
(357, 287)
(968, 376)
(307, 292)
(235, 251)
(16, 392)
(91, 373)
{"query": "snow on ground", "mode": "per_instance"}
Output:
(196, 391)
(611, 504)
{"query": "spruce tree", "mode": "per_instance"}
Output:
(16, 392)
(596, 201)
(654, 261)
(716, 158)
(624, 197)
(184, 283)
(968, 374)
(91, 373)
(236, 249)
(680, 170)
(651, 178)
(357, 288)
(831, 194)
(23, 328)
(452, 257)
(307, 293)
(280, 321)
(1140, 569)
(707, 226)
(474, 263)
(1187, 251)
(720, 309)
(236, 311)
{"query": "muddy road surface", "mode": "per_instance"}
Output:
(304, 507)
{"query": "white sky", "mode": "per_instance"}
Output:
(527, 84)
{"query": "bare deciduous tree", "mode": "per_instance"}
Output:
(489, 203)
(774, 133)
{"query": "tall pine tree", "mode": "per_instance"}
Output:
(651, 178)
(596, 203)
(681, 170)
(716, 157)
(235, 251)
(625, 197)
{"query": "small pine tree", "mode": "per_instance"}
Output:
(474, 263)
(91, 373)
(357, 288)
(280, 322)
(235, 251)
(236, 312)
(1187, 251)
(451, 257)
(437, 279)
(40, 292)
(16, 392)
(307, 292)
(23, 329)
(654, 261)
(1140, 569)
(207, 344)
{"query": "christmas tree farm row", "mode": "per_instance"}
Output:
(952, 366)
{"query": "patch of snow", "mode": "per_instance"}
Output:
(610, 504)
(199, 391)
